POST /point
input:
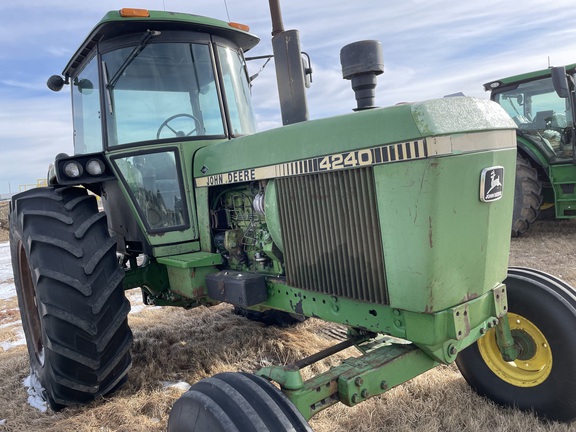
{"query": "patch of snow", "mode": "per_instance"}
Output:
(5, 262)
(7, 291)
(10, 324)
(137, 306)
(20, 340)
(35, 391)
(182, 385)
(2, 422)
(7, 288)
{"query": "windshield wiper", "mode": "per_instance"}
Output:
(108, 92)
(137, 50)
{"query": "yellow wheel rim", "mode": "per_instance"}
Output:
(534, 363)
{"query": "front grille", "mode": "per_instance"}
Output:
(331, 234)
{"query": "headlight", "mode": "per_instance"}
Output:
(82, 169)
(73, 169)
(95, 167)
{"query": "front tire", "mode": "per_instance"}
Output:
(542, 315)
(235, 402)
(70, 295)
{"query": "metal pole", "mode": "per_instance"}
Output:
(327, 352)
(276, 14)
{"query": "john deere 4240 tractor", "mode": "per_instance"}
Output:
(391, 221)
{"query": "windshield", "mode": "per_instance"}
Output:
(160, 87)
(167, 91)
(541, 115)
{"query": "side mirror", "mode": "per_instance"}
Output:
(85, 86)
(306, 69)
(55, 83)
(560, 82)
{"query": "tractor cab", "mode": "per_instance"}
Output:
(149, 88)
(155, 79)
(139, 78)
(545, 120)
(542, 105)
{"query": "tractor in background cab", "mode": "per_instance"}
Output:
(542, 105)
(393, 222)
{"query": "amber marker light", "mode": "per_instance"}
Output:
(239, 26)
(134, 13)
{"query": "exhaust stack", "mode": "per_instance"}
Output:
(361, 63)
(289, 69)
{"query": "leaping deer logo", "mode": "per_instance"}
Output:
(494, 182)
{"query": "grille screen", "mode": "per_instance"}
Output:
(331, 234)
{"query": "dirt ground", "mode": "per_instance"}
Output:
(174, 345)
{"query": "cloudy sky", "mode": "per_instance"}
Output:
(431, 48)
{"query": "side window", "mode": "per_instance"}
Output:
(509, 104)
(86, 110)
(153, 180)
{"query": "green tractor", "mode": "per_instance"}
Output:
(391, 221)
(542, 105)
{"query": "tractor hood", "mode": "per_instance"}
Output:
(393, 134)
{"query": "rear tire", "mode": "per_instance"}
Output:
(527, 196)
(235, 402)
(542, 315)
(70, 295)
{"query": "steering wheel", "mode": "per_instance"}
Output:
(176, 132)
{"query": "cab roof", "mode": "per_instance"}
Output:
(525, 77)
(114, 24)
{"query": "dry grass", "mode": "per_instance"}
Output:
(177, 345)
(3, 221)
(549, 246)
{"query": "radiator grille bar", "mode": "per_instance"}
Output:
(331, 234)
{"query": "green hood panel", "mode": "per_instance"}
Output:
(355, 131)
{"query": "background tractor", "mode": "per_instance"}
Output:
(542, 105)
(391, 221)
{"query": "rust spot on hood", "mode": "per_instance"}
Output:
(470, 296)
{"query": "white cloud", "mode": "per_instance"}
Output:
(58, 51)
(24, 85)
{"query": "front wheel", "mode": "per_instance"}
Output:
(235, 402)
(70, 295)
(542, 316)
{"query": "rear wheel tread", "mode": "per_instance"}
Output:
(85, 337)
(527, 196)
